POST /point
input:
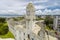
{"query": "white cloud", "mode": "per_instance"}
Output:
(40, 7)
(48, 12)
(19, 6)
(12, 5)
(40, 1)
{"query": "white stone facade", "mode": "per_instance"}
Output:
(28, 28)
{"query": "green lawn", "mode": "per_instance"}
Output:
(4, 30)
(8, 35)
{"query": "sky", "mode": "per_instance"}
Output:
(19, 6)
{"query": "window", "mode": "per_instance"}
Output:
(24, 39)
(24, 33)
(28, 36)
(32, 39)
(28, 13)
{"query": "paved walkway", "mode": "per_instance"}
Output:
(51, 38)
(7, 39)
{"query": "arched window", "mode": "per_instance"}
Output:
(28, 13)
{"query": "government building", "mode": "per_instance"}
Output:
(28, 28)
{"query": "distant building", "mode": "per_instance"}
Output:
(56, 22)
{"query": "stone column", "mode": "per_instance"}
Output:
(17, 35)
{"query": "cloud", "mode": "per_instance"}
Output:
(11, 5)
(39, 7)
(19, 6)
(48, 12)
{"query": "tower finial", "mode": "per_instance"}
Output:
(30, 6)
(30, 1)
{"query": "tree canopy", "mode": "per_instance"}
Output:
(3, 26)
(49, 22)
